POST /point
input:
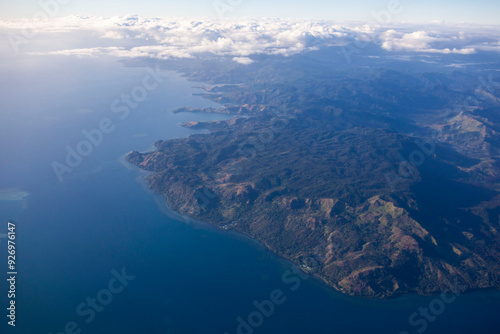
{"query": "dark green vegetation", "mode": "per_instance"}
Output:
(379, 181)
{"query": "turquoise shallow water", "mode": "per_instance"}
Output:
(75, 236)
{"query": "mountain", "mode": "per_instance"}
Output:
(379, 181)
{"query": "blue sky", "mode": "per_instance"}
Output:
(478, 11)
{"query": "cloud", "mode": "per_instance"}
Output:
(240, 38)
(185, 38)
(419, 41)
(489, 46)
(243, 60)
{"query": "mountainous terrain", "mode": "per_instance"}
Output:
(378, 180)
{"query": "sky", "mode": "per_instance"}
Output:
(478, 11)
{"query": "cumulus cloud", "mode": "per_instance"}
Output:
(243, 60)
(133, 36)
(419, 41)
(164, 38)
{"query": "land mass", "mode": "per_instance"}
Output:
(379, 182)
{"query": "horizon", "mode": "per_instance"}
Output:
(482, 12)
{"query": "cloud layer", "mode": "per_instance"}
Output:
(133, 36)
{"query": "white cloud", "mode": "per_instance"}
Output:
(186, 38)
(240, 38)
(489, 46)
(419, 41)
(243, 60)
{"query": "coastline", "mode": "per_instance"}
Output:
(330, 287)
(296, 262)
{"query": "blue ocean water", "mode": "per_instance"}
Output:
(97, 253)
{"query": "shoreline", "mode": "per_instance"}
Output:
(331, 288)
(320, 278)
